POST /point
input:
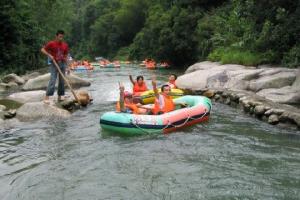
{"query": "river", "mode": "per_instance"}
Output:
(233, 156)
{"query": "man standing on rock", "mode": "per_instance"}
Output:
(56, 50)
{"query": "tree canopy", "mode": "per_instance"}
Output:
(250, 32)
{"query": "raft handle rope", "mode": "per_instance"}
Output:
(168, 124)
(149, 132)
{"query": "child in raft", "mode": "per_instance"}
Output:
(139, 85)
(126, 104)
(172, 79)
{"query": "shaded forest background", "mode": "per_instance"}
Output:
(249, 32)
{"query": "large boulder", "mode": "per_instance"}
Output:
(13, 78)
(29, 96)
(202, 66)
(207, 65)
(2, 87)
(296, 84)
(286, 95)
(195, 80)
(38, 110)
(41, 82)
(278, 80)
(32, 75)
(213, 75)
(2, 107)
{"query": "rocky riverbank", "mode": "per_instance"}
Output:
(23, 96)
(264, 92)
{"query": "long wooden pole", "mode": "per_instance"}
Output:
(65, 79)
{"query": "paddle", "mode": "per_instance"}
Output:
(65, 79)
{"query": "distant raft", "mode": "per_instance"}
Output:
(198, 110)
(147, 97)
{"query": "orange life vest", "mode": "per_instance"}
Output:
(167, 104)
(132, 107)
(137, 88)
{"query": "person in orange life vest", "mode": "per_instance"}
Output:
(127, 105)
(172, 79)
(139, 85)
(163, 102)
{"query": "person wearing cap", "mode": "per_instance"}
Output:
(127, 105)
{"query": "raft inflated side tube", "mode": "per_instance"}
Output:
(147, 97)
(198, 110)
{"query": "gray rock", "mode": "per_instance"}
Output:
(209, 93)
(288, 116)
(271, 70)
(10, 113)
(217, 81)
(32, 75)
(217, 97)
(296, 84)
(2, 107)
(13, 78)
(1, 122)
(2, 114)
(286, 95)
(274, 81)
(259, 110)
(273, 119)
(274, 111)
(41, 82)
(68, 104)
(29, 96)
(227, 101)
(202, 66)
(12, 85)
(38, 110)
(4, 87)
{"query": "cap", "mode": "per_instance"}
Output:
(127, 94)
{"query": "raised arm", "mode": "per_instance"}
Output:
(154, 87)
(43, 50)
(131, 79)
(121, 101)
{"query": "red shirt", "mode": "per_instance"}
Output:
(59, 50)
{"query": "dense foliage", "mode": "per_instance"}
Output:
(249, 32)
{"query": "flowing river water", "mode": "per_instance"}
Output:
(233, 156)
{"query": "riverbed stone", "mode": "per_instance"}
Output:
(2, 107)
(29, 96)
(296, 84)
(13, 85)
(41, 82)
(10, 113)
(31, 75)
(274, 111)
(202, 66)
(38, 110)
(13, 78)
(4, 87)
(286, 95)
(259, 110)
(278, 80)
(273, 119)
(217, 97)
(209, 93)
